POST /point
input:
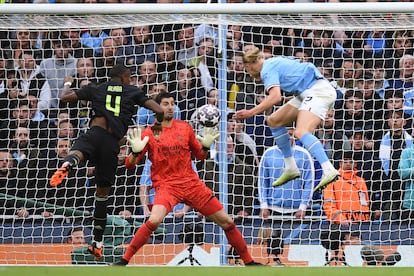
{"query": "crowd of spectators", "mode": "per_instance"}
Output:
(372, 72)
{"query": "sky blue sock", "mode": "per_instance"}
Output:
(314, 146)
(282, 139)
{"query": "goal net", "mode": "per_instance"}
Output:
(195, 52)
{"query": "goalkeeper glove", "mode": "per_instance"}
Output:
(210, 135)
(134, 140)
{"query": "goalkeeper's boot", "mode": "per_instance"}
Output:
(287, 175)
(60, 174)
(253, 263)
(326, 179)
(96, 250)
(121, 262)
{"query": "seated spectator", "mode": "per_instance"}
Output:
(78, 50)
(167, 65)
(373, 104)
(8, 183)
(241, 180)
(21, 43)
(119, 35)
(186, 48)
(56, 68)
(66, 129)
(31, 82)
(375, 44)
(188, 96)
(146, 75)
(21, 118)
(240, 85)
(392, 144)
(400, 45)
(106, 59)
(380, 81)
(346, 201)
(142, 47)
(406, 172)
(245, 146)
(406, 71)
(76, 236)
(348, 74)
(35, 113)
(205, 62)
(93, 38)
(234, 39)
(23, 152)
(352, 116)
(368, 166)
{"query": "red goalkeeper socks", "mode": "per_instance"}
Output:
(140, 238)
(235, 238)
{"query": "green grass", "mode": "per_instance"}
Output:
(201, 271)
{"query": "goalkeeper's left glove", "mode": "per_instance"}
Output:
(134, 140)
(210, 135)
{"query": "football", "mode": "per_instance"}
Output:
(208, 115)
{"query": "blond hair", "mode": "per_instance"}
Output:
(252, 56)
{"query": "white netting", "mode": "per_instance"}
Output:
(358, 52)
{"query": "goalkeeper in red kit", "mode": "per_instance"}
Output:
(174, 179)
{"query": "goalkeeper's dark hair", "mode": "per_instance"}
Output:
(118, 70)
(163, 95)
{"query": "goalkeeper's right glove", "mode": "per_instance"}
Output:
(134, 140)
(210, 134)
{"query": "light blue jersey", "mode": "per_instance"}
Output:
(294, 193)
(293, 76)
(145, 116)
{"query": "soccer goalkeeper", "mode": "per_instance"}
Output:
(174, 179)
(113, 105)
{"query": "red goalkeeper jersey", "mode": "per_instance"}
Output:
(171, 154)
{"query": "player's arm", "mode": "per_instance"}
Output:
(137, 144)
(154, 106)
(67, 94)
(274, 97)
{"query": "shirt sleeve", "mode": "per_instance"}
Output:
(86, 92)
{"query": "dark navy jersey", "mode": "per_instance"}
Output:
(114, 101)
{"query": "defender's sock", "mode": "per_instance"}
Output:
(72, 159)
(99, 218)
(282, 139)
(314, 146)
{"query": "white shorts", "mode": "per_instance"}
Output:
(318, 99)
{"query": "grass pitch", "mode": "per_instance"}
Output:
(201, 271)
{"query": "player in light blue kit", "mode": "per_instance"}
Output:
(313, 97)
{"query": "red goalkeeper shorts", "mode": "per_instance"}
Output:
(197, 195)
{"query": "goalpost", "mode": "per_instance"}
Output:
(355, 45)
